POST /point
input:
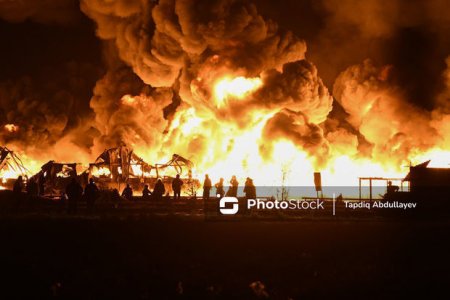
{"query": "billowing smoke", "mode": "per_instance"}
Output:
(185, 47)
(162, 41)
(37, 112)
(163, 61)
(294, 127)
(381, 112)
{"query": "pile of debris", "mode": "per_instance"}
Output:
(113, 169)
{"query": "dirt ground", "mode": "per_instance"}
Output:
(188, 257)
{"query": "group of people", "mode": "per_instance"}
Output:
(74, 191)
(33, 187)
(177, 183)
(249, 188)
(157, 194)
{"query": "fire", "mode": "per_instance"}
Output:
(238, 87)
(128, 100)
(11, 128)
(438, 158)
(226, 148)
(8, 174)
(137, 171)
(233, 150)
(101, 172)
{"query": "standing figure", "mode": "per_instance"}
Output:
(249, 189)
(91, 193)
(159, 190)
(146, 194)
(41, 184)
(127, 192)
(32, 187)
(73, 192)
(220, 192)
(176, 187)
(18, 185)
(206, 187)
(232, 190)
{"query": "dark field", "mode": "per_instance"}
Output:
(187, 257)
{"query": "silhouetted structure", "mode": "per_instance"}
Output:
(121, 164)
(206, 187)
(54, 177)
(127, 192)
(220, 192)
(249, 189)
(176, 187)
(429, 183)
(10, 166)
(91, 193)
(74, 191)
(232, 190)
(32, 187)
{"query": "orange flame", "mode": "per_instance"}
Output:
(238, 87)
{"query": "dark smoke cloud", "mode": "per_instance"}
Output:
(186, 45)
(128, 111)
(163, 57)
(379, 110)
(46, 109)
(294, 126)
(297, 88)
(158, 42)
(410, 35)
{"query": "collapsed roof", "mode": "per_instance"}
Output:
(123, 162)
(11, 165)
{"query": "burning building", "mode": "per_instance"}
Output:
(11, 167)
(118, 166)
(53, 177)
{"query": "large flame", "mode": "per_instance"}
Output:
(234, 150)
(238, 87)
(237, 151)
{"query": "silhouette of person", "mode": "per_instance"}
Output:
(146, 194)
(206, 187)
(115, 197)
(32, 187)
(249, 189)
(392, 188)
(219, 188)
(176, 187)
(159, 190)
(127, 192)
(41, 183)
(390, 191)
(18, 185)
(73, 192)
(91, 193)
(232, 190)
